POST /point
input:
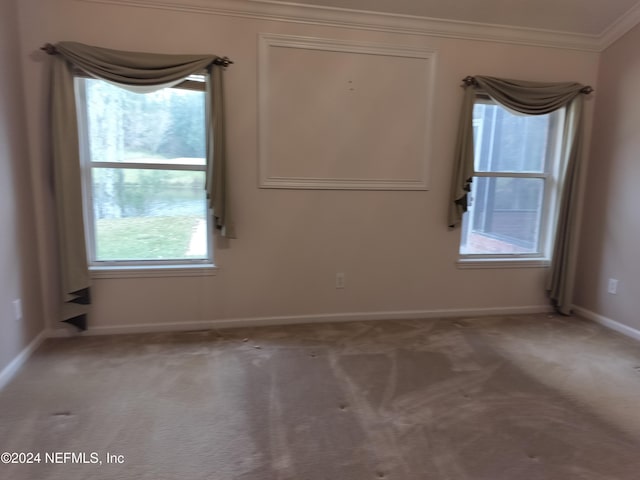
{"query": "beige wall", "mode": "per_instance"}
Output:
(611, 233)
(393, 246)
(19, 277)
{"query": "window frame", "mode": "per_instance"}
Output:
(549, 203)
(140, 267)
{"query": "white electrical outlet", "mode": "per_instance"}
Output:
(340, 280)
(17, 309)
(612, 288)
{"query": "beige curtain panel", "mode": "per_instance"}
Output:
(74, 275)
(139, 72)
(532, 98)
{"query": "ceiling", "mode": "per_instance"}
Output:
(583, 17)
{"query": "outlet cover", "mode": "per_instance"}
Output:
(17, 309)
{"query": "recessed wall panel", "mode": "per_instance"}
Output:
(343, 115)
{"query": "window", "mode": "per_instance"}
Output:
(144, 161)
(514, 189)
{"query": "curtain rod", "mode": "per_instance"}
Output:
(223, 61)
(471, 81)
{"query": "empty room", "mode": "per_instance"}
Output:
(319, 240)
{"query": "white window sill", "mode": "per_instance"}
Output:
(155, 271)
(502, 263)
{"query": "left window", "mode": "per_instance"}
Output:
(144, 161)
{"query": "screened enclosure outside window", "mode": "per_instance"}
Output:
(514, 185)
(144, 161)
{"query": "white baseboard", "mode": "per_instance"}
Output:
(8, 372)
(300, 319)
(607, 322)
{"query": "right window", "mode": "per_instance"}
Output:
(514, 189)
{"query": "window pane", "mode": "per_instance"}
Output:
(149, 214)
(167, 126)
(504, 216)
(508, 142)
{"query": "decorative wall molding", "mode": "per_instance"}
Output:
(393, 23)
(607, 322)
(332, 145)
(334, 183)
(302, 319)
(11, 370)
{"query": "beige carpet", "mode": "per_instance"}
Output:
(513, 398)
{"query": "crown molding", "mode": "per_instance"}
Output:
(374, 21)
(279, 11)
(621, 26)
